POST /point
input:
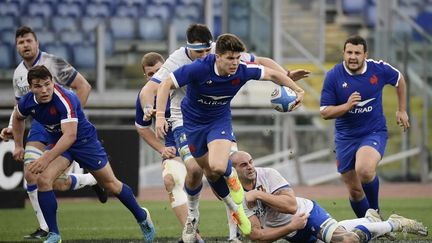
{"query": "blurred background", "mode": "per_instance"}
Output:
(105, 40)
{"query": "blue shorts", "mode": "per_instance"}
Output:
(182, 143)
(346, 149)
(88, 153)
(309, 233)
(37, 133)
(198, 135)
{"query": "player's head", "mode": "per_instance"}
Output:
(41, 84)
(355, 53)
(243, 163)
(228, 51)
(150, 63)
(199, 41)
(26, 42)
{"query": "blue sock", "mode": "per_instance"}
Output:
(371, 190)
(74, 181)
(220, 187)
(48, 205)
(228, 169)
(366, 231)
(31, 188)
(193, 192)
(128, 199)
(360, 207)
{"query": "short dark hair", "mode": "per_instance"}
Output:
(151, 59)
(21, 31)
(356, 40)
(38, 72)
(229, 42)
(199, 33)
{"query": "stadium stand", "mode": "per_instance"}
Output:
(6, 57)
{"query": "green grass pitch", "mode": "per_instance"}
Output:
(89, 221)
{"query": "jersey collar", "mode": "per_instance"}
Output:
(350, 73)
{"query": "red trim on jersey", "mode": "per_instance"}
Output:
(67, 100)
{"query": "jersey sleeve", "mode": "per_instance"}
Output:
(328, 94)
(21, 108)
(65, 73)
(391, 74)
(139, 115)
(67, 105)
(254, 71)
(247, 57)
(185, 74)
(277, 181)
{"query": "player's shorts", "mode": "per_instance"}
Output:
(317, 218)
(199, 135)
(88, 153)
(37, 133)
(346, 149)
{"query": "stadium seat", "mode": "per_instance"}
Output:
(44, 9)
(122, 27)
(181, 25)
(8, 36)
(9, 8)
(85, 56)
(98, 10)
(151, 29)
(89, 23)
(37, 23)
(162, 11)
(239, 11)
(59, 49)
(353, 6)
(370, 16)
(72, 38)
(45, 37)
(191, 11)
(239, 27)
(125, 10)
(62, 23)
(135, 3)
(69, 9)
(7, 59)
(7, 22)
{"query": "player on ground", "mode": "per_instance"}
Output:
(276, 213)
(71, 137)
(212, 83)
(352, 94)
(63, 73)
(174, 170)
(199, 45)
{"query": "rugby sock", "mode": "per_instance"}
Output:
(48, 205)
(350, 224)
(229, 203)
(220, 187)
(81, 180)
(33, 196)
(360, 207)
(371, 190)
(128, 199)
(377, 229)
(232, 227)
(228, 170)
(193, 200)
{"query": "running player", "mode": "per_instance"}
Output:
(276, 213)
(63, 73)
(212, 83)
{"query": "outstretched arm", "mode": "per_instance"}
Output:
(295, 75)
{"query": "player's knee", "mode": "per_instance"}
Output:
(113, 186)
(31, 154)
(62, 184)
(169, 182)
(194, 172)
(365, 174)
(216, 169)
(44, 182)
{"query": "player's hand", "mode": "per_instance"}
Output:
(6, 134)
(299, 220)
(251, 198)
(169, 152)
(38, 165)
(298, 74)
(300, 95)
(161, 126)
(353, 100)
(18, 154)
(149, 112)
(402, 120)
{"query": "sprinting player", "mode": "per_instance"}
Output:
(199, 45)
(212, 83)
(275, 212)
(174, 170)
(71, 138)
(352, 94)
(64, 74)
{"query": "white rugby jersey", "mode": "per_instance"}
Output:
(270, 180)
(62, 72)
(177, 59)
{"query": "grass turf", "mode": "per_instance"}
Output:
(89, 221)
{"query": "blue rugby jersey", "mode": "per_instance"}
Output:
(209, 95)
(367, 116)
(64, 107)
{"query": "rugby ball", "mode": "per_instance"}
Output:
(283, 99)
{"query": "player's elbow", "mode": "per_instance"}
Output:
(324, 113)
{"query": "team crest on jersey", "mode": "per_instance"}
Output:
(344, 85)
(373, 80)
(53, 111)
(209, 82)
(235, 82)
(192, 148)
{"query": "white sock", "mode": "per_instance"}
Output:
(35, 204)
(229, 203)
(83, 180)
(349, 224)
(378, 228)
(193, 205)
(232, 227)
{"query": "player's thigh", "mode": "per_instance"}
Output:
(219, 151)
(54, 169)
(106, 178)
